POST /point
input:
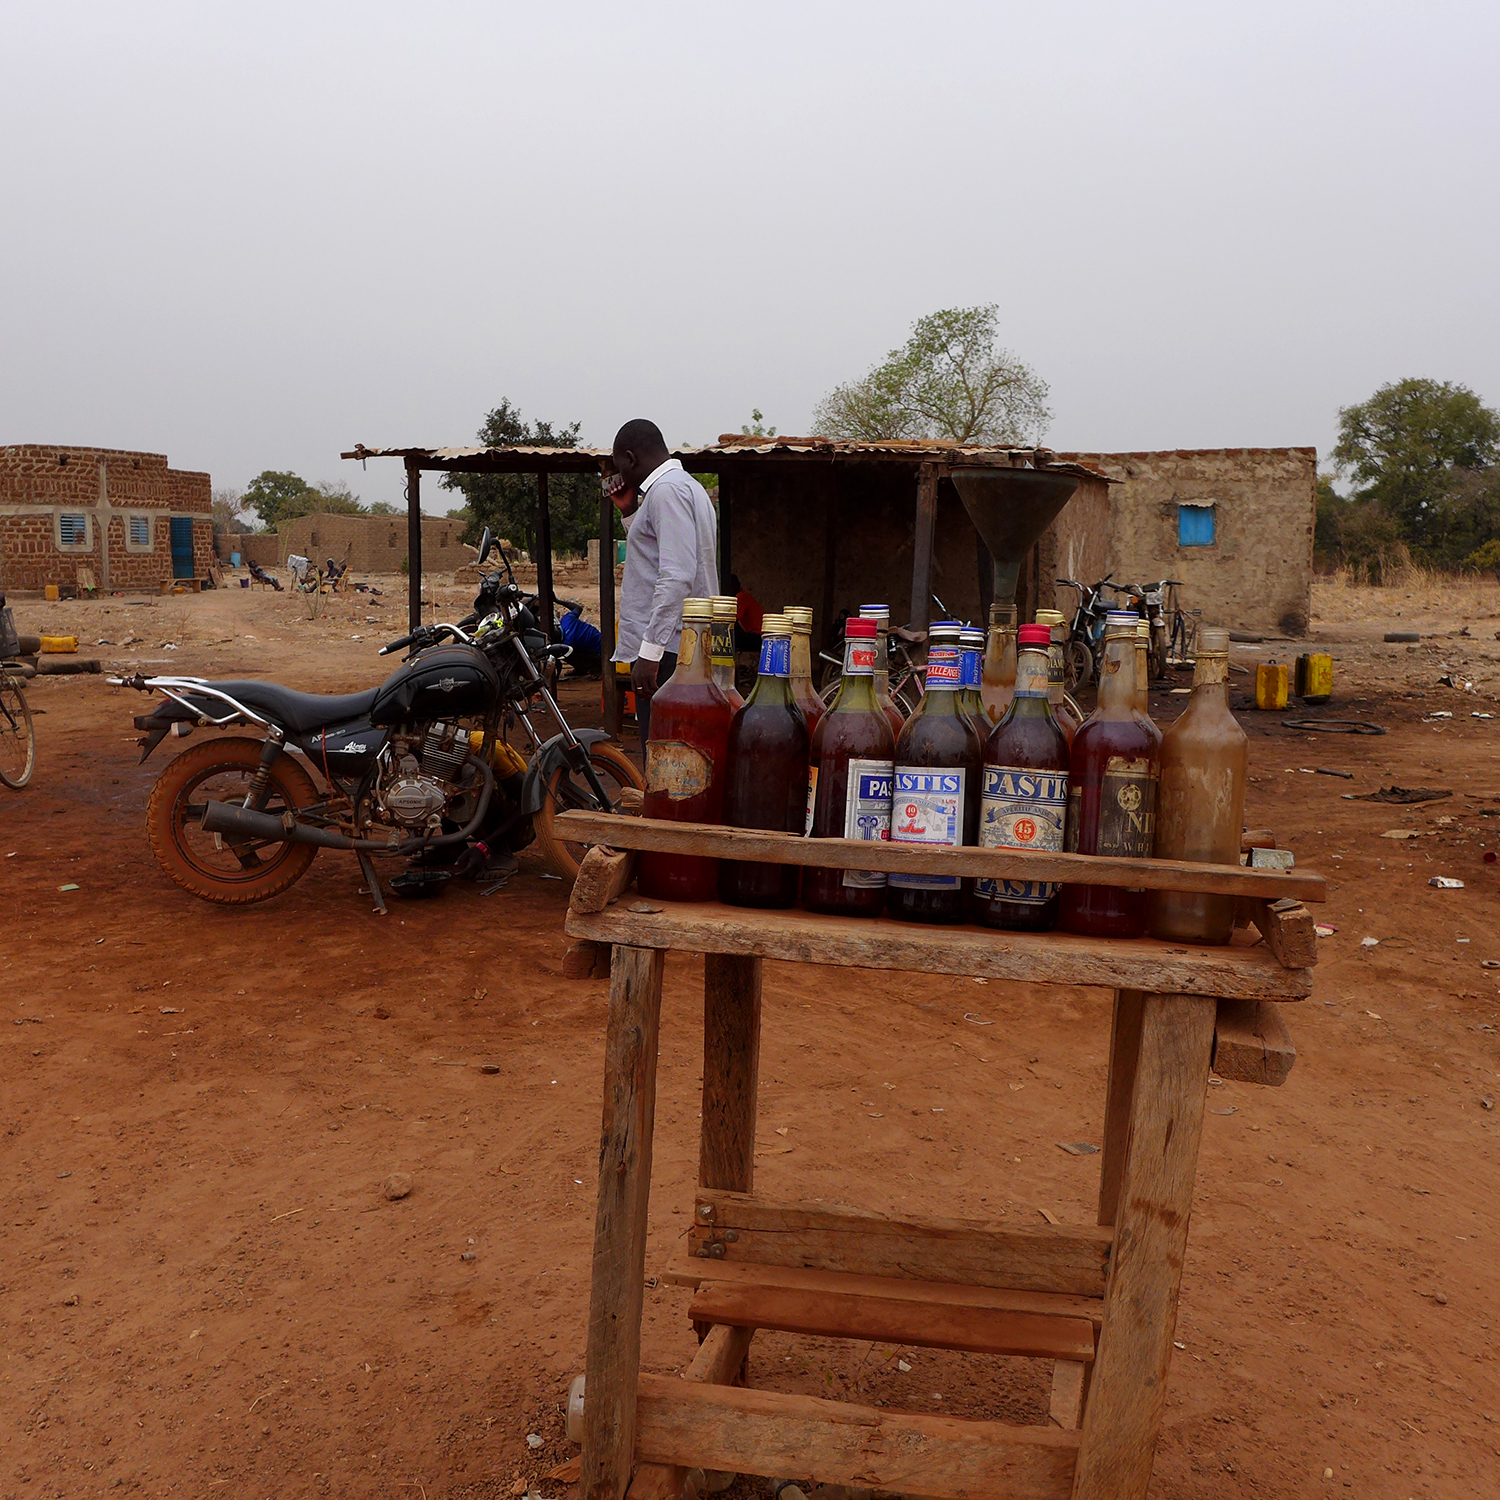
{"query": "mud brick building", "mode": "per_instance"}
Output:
(128, 518)
(374, 544)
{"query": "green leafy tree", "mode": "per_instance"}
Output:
(507, 503)
(382, 508)
(949, 380)
(1407, 448)
(757, 429)
(278, 496)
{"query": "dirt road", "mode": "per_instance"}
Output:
(204, 1291)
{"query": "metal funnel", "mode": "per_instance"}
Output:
(1010, 509)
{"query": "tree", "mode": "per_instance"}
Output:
(1407, 448)
(758, 429)
(949, 380)
(226, 507)
(507, 503)
(383, 508)
(277, 495)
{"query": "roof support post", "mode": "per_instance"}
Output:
(921, 550)
(726, 553)
(544, 554)
(413, 544)
(609, 682)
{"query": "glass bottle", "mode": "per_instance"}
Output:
(1112, 781)
(935, 800)
(800, 617)
(1200, 809)
(685, 760)
(999, 677)
(1142, 668)
(881, 614)
(971, 676)
(1057, 624)
(765, 783)
(726, 611)
(1024, 792)
(849, 781)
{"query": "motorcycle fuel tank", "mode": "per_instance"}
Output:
(347, 749)
(445, 682)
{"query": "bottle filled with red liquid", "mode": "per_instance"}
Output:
(685, 759)
(1057, 623)
(849, 782)
(765, 785)
(935, 800)
(881, 614)
(803, 692)
(1024, 793)
(726, 611)
(1112, 783)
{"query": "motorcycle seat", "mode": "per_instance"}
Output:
(299, 712)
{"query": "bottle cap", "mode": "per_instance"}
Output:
(776, 624)
(856, 628)
(726, 606)
(799, 616)
(1050, 617)
(971, 637)
(1213, 641)
(1034, 635)
(698, 609)
(946, 631)
(875, 611)
(1143, 628)
(1002, 614)
(1121, 619)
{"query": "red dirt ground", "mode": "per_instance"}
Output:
(203, 1290)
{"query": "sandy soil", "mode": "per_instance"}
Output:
(203, 1290)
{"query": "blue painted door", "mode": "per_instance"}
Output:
(182, 547)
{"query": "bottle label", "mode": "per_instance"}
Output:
(812, 800)
(859, 657)
(971, 668)
(1210, 669)
(722, 649)
(1127, 809)
(1055, 674)
(1031, 675)
(678, 769)
(775, 656)
(928, 808)
(1022, 809)
(943, 669)
(867, 814)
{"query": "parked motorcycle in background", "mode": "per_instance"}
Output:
(414, 767)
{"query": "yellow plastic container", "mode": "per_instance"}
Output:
(59, 645)
(1270, 685)
(50, 594)
(1314, 677)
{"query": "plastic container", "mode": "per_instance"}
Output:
(1270, 686)
(1313, 677)
(575, 1410)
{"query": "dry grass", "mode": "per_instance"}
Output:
(1345, 595)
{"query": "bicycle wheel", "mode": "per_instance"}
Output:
(1078, 665)
(567, 789)
(17, 735)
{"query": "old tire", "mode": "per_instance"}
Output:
(17, 734)
(209, 865)
(565, 789)
(1078, 665)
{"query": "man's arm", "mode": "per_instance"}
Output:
(677, 565)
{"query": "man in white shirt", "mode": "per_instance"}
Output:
(671, 554)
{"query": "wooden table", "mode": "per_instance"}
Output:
(1097, 1300)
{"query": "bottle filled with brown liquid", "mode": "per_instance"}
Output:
(1024, 793)
(1056, 622)
(971, 677)
(999, 675)
(1200, 809)
(1112, 783)
(881, 614)
(685, 759)
(726, 611)
(849, 781)
(765, 784)
(804, 693)
(935, 800)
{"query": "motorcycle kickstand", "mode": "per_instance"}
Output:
(367, 865)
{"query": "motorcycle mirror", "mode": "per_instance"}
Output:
(486, 544)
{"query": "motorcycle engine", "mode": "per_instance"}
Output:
(426, 778)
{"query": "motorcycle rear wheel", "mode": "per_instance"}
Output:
(566, 789)
(209, 865)
(1078, 665)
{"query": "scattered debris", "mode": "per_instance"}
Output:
(170, 1010)
(1334, 726)
(902, 1365)
(1402, 833)
(1229, 1109)
(1401, 794)
(1323, 929)
(468, 1255)
(644, 908)
(1440, 713)
(535, 1440)
(69, 887)
(1446, 883)
(1077, 1148)
(1489, 963)
(1477, 715)
(1049, 1216)
(1369, 942)
(1401, 637)
(970, 1016)
(397, 1185)
(1329, 771)
(489, 1067)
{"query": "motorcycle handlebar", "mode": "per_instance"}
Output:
(403, 642)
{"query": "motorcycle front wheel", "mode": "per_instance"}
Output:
(567, 789)
(219, 867)
(1078, 665)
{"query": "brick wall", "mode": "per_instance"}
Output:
(377, 543)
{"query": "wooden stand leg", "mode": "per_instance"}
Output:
(618, 1281)
(1124, 1052)
(1155, 1198)
(731, 1072)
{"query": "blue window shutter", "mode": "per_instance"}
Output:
(1195, 525)
(140, 531)
(74, 529)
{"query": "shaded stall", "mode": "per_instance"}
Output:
(831, 524)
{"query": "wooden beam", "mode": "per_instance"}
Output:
(714, 841)
(895, 1320)
(1119, 1089)
(1252, 1043)
(603, 878)
(1128, 1385)
(731, 1073)
(585, 960)
(413, 544)
(767, 1432)
(690, 1271)
(1289, 931)
(831, 1237)
(608, 682)
(544, 556)
(617, 1291)
(726, 531)
(1066, 1405)
(924, 525)
(858, 942)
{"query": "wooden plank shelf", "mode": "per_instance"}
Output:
(1242, 973)
(717, 842)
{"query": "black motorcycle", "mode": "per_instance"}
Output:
(415, 767)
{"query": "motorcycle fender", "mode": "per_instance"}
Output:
(166, 718)
(552, 755)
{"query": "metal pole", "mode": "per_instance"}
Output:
(413, 544)
(544, 554)
(921, 552)
(610, 684)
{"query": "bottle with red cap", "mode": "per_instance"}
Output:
(1024, 792)
(849, 781)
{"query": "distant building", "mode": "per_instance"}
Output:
(376, 544)
(126, 517)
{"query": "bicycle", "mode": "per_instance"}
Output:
(907, 677)
(17, 731)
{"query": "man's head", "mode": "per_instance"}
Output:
(639, 448)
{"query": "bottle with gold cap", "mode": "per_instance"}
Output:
(998, 682)
(971, 677)
(800, 618)
(881, 614)
(765, 784)
(726, 609)
(1200, 808)
(685, 759)
(1057, 623)
(1143, 668)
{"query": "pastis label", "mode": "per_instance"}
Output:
(1022, 809)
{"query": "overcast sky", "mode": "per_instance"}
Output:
(252, 236)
